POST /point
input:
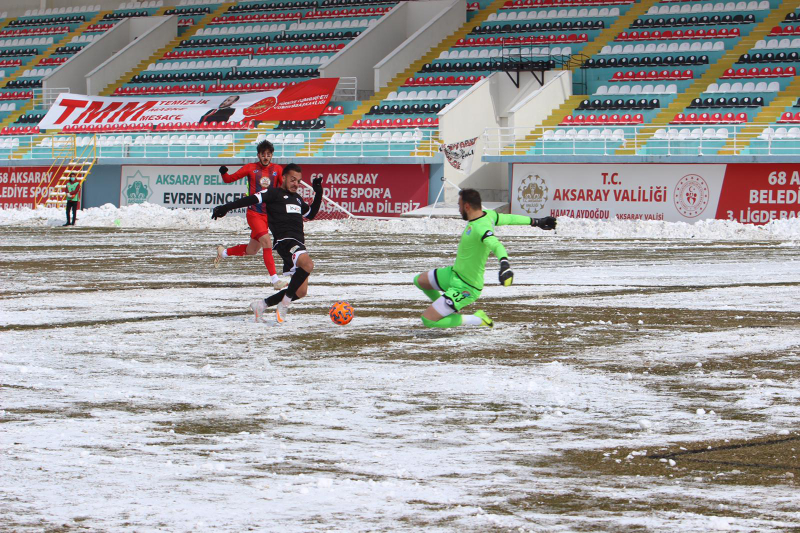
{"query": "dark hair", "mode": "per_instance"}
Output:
(292, 167)
(265, 146)
(471, 197)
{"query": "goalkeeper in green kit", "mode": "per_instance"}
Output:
(462, 283)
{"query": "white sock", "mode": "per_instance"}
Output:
(288, 301)
(225, 253)
(471, 320)
(274, 279)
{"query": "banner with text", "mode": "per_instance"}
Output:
(20, 185)
(189, 187)
(304, 101)
(460, 154)
(744, 192)
(368, 190)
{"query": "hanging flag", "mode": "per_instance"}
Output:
(460, 154)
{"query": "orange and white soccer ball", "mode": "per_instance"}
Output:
(341, 313)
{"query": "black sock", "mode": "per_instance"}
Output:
(297, 280)
(276, 298)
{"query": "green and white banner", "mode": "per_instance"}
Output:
(185, 186)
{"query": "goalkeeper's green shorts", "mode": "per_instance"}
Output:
(457, 293)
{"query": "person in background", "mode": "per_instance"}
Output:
(73, 187)
(223, 112)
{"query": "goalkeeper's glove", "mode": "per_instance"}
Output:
(544, 223)
(223, 170)
(219, 212)
(506, 275)
(316, 184)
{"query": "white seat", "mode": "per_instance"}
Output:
(722, 133)
(748, 87)
(660, 133)
(712, 88)
(736, 87)
(761, 87)
(773, 87)
(602, 90)
(709, 133)
(625, 89)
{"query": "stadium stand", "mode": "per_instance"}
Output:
(713, 66)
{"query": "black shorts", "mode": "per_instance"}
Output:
(289, 250)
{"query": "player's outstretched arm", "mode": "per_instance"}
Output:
(546, 223)
(230, 178)
(316, 184)
(222, 210)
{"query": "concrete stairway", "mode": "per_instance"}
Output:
(158, 54)
(399, 79)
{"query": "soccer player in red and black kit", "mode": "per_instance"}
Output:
(286, 210)
(260, 175)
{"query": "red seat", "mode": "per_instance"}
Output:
(687, 75)
(790, 72)
(626, 119)
(679, 119)
(691, 118)
(641, 75)
(711, 33)
(638, 118)
(358, 124)
(591, 119)
(569, 120)
(777, 30)
(580, 119)
(688, 34)
(741, 118)
(716, 118)
(765, 72)
(704, 118)
(778, 72)
(618, 76)
(728, 118)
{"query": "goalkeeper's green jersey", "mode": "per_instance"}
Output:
(478, 241)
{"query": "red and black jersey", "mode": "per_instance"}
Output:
(254, 172)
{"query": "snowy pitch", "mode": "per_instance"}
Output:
(136, 394)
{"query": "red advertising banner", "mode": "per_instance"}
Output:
(20, 185)
(303, 101)
(370, 190)
(759, 193)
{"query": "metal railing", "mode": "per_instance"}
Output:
(645, 140)
(409, 143)
(46, 97)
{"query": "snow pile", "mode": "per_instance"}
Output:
(154, 216)
(131, 216)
